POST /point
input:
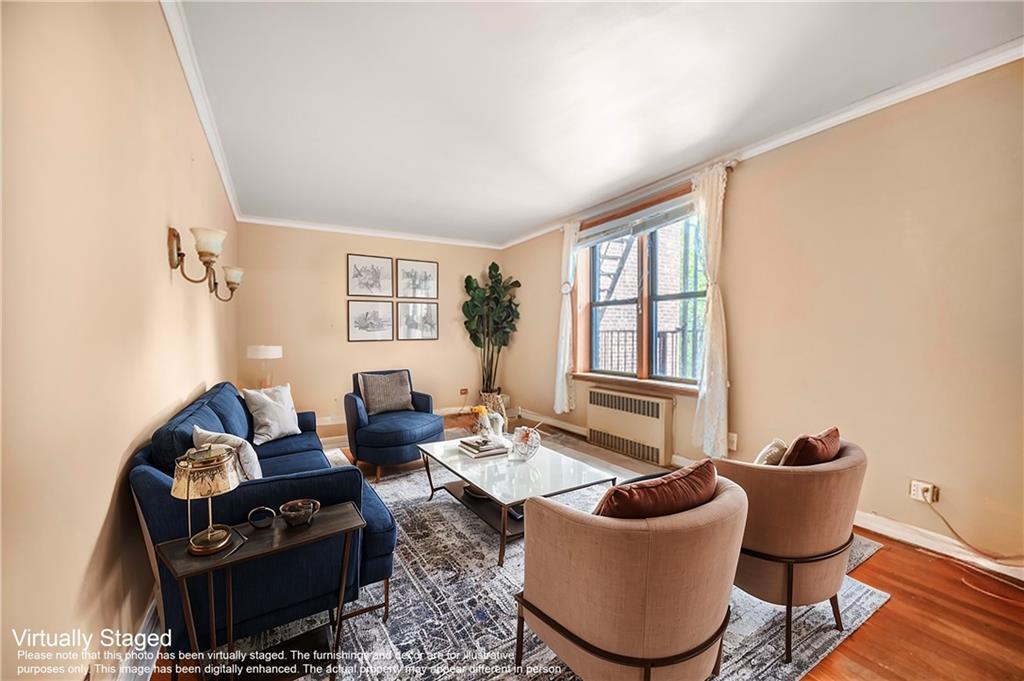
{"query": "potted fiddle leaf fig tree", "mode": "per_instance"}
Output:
(491, 313)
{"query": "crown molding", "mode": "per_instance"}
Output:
(363, 231)
(972, 66)
(174, 14)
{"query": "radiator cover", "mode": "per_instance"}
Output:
(635, 425)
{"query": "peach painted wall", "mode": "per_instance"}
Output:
(872, 279)
(295, 296)
(101, 342)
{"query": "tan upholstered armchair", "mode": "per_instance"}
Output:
(799, 530)
(632, 599)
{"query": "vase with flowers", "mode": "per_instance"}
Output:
(482, 424)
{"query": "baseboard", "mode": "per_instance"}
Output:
(447, 411)
(550, 421)
(330, 421)
(932, 541)
(140, 668)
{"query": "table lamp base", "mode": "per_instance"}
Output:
(211, 540)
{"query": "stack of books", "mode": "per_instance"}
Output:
(480, 447)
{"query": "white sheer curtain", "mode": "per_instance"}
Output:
(711, 422)
(565, 394)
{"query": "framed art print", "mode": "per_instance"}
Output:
(417, 279)
(370, 275)
(417, 321)
(370, 320)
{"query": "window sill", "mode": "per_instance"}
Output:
(643, 386)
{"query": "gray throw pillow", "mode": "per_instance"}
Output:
(386, 392)
(273, 413)
(246, 462)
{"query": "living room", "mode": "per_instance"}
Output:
(628, 250)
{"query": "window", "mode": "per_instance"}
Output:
(615, 295)
(677, 301)
(647, 301)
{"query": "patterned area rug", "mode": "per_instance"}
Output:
(453, 615)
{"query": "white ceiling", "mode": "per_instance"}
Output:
(485, 122)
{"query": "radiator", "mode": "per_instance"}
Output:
(634, 425)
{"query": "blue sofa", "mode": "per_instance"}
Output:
(280, 588)
(390, 438)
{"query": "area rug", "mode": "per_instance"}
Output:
(453, 615)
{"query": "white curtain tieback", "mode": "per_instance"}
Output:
(566, 288)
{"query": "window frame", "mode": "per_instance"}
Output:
(597, 304)
(646, 308)
(652, 304)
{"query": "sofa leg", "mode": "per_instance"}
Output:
(332, 619)
(835, 612)
(387, 598)
(376, 476)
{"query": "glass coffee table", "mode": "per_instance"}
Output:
(507, 484)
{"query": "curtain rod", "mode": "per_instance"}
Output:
(645, 192)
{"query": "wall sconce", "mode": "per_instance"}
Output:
(209, 243)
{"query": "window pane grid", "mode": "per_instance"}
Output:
(674, 304)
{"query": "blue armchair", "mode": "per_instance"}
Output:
(280, 588)
(390, 438)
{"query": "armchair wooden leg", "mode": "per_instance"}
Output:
(835, 612)
(718, 661)
(519, 637)
(376, 477)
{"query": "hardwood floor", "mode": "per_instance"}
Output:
(943, 621)
(939, 623)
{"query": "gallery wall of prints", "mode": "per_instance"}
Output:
(388, 298)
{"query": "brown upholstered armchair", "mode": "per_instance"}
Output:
(627, 599)
(799, 530)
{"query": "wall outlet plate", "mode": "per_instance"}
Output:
(734, 441)
(925, 492)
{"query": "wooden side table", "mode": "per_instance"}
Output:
(331, 521)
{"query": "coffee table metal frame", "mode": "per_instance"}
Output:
(492, 511)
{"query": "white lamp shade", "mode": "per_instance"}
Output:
(209, 240)
(233, 275)
(264, 352)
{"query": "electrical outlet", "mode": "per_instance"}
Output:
(463, 391)
(924, 491)
(734, 441)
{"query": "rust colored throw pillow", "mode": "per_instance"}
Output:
(673, 492)
(808, 450)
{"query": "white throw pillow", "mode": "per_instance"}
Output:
(771, 455)
(273, 413)
(247, 463)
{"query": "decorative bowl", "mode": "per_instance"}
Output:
(299, 511)
(262, 517)
(525, 443)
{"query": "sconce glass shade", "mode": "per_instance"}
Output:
(264, 352)
(233, 275)
(209, 240)
(205, 472)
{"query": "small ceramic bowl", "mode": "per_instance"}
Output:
(299, 511)
(262, 517)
